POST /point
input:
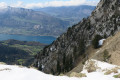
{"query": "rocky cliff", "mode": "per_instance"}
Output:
(62, 55)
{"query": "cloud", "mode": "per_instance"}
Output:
(3, 5)
(93, 3)
(18, 4)
(54, 3)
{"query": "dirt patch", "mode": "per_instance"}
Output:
(5, 69)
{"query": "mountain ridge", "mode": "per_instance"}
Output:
(29, 22)
(71, 46)
(73, 14)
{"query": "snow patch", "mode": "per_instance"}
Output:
(13, 72)
(101, 42)
(51, 49)
(99, 74)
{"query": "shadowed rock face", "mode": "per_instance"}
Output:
(62, 54)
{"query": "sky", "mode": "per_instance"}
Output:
(45, 3)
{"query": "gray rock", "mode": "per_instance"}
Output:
(71, 45)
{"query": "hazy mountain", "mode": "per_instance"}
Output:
(73, 14)
(29, 22)
(51, 21)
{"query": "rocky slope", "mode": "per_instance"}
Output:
(109, 52)
(72, 45)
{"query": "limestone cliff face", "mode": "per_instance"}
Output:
(62, 54)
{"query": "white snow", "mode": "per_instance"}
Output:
(101, 42)
(99, 73)
(18, 73)
(43, 66)
(12, 72)
(98, 76)
(101, 65)
(51, 49)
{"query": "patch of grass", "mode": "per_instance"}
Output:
(91, 66)
(117, 76)
(114, 70)
(74, 74)
(20, 61)
(3, 63)
(106, 55)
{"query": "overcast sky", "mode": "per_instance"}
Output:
(45, 3)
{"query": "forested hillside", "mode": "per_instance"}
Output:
(19, 52)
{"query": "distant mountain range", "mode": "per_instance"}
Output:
(29, 22)
(73, 14)
(50, 21)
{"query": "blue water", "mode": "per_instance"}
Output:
(41, 39)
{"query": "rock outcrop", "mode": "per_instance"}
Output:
(62, 54)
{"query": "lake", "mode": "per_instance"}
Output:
(41, 39)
